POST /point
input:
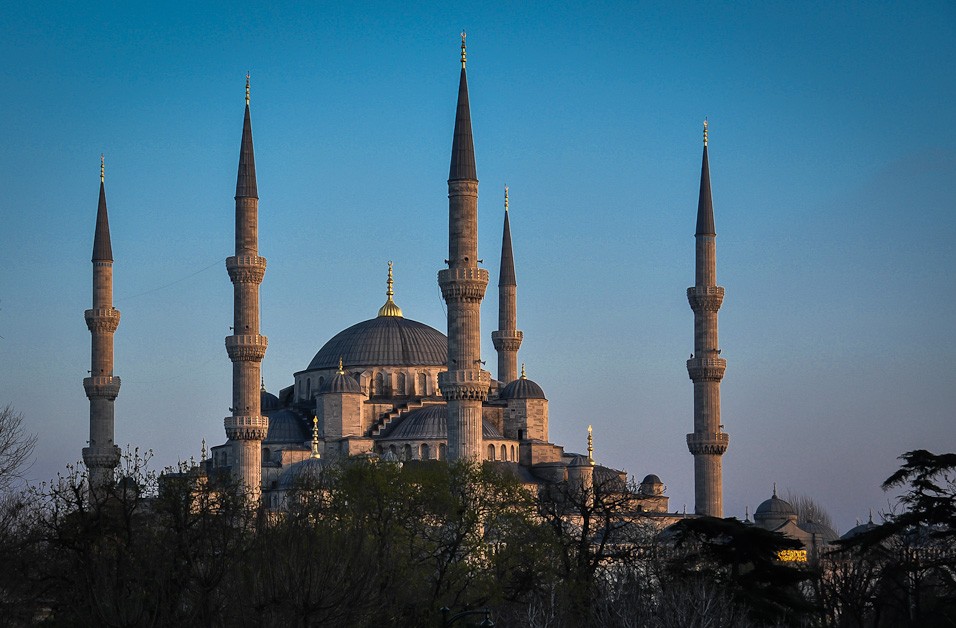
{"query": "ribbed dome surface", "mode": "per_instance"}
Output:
(859, 529)
(303, 474)
(384, 341)
(285, 426)
(651, 479)
(341, 383)
(774, 508)
(522, 388)
(823, 532)
(431, 422)
(268, 401)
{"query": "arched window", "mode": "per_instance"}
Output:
(400, 386)
(407, 453)
(513, 454)
(379, 388)
(422, 385)
(425, 451)
(391, 448)
(308, 388)
(504, 452)
(441, 451)
(491, 452)
(321, 382)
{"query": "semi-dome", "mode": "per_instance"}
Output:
(820, 531)
(384, 341)
(285, 426)
(431, 422)
(522, 388)
(267, 401)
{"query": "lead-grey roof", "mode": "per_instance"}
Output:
(384, 341)
(341, 383)
(462, 145)
(705, 203)
(774, 507)
(102, 249)
(285, 426)
(431, 422)
(522, 388)
(246, 179)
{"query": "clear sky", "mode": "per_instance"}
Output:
(832, 160)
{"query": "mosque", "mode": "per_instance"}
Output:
(395, 388)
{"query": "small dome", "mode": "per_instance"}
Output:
(285, 426)
(859, 529)
(431, 422)
(307, 471)
(268, 401)
(651, 479)
(522, 388)
(774, 508)
(341, 383)
(579, 461)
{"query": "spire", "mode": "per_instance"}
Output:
(705, 205)
(102, 249)
(506, 276)
(246, 180)
(202, 452)
(590, 446)
(774, 489)
(463, 144)
(523, 376)
(390, 308)
(315, 439)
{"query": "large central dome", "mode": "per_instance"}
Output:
(384, 341)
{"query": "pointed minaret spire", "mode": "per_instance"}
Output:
(590, 446)
(464, 385)
(708, 442)
(507, 339)
(247, 426)
(102, 387)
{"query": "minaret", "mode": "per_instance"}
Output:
(247, 427)
(507, 339)
(708, 442)
(464, 385)
(102, 387)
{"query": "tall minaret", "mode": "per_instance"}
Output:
(508, 338)
(102, 387)
(464, 385)
(247, 427)
(708, 442)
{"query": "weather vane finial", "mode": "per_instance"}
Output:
(506, 197)
(463, 49)
(705, 131)
(590, 446)
(248, 74)
(102, 168)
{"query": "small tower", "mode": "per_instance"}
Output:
(246, 427)
(708, 442)
(508, 338)
(465, 384)
(102, 387)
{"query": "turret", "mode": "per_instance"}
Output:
(247, 426)
(708, 441)
(102, 387)
(507, 338)
(464, 385)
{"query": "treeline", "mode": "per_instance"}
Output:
(365, 543)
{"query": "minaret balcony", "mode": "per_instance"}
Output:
(464, 384)
(96, 457)
(246, 348)
(246, 268)
(713, 443)
(107, 386)
(463, 283)
(102, 319)
(705, 298)
(707, 369)
(246, 427)
(507, 340)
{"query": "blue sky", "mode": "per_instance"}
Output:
(832, 156)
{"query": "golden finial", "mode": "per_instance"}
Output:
(463, 49)
(523, 376)
(315, 438)
(203, 450)
(341, 370)
(705, 131)
(506, 197)
(102, 168)
(390, 308)
(590, 446)
(248, 74)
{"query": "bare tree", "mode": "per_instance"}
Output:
(809, 510)
(16, 447)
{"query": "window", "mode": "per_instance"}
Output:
(504, 452)
(491, 452)
(425, 451)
